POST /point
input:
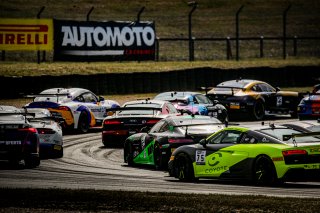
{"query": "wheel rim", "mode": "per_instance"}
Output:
(264, 173)
(259, 110)
(83, 124)
(181, 169)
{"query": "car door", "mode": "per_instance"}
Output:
(272, 99)
(212, 160)
(147, 143)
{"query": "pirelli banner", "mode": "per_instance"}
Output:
(26, 34)
(103, 41)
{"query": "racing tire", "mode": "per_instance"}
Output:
(32, 161)
(59, 154)
(264, 173)
(128, 154)
(258, 110)
(83, 124)
(157, 157)
(184, 168)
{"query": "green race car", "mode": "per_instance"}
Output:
(265, 155)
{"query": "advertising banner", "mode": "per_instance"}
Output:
(103, 41)
(26, 34)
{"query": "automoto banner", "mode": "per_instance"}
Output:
(26, 34)
(103, 41)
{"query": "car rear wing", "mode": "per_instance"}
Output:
(17, 113)
(222, 87)
(119, 109)
(299, 135)
(33, 96)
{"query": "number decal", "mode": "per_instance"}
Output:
(279, 100)
(200, 157)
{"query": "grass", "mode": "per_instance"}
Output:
(58, 200)
(84, 68)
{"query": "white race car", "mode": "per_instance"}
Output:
(80, 108)
(49, 130)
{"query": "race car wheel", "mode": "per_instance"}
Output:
(183, 168)
(128, 154)
(32, 161)
(83, 125)
(258, 110)
(264, 172)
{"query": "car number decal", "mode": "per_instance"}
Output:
(200, 157)
(279, 100)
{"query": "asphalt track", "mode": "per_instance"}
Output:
(87, 164)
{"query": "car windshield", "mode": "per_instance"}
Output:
(279, 133)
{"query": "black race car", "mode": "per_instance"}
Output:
(19, 140)
(133, 117)
(254, 98)
(155, 147)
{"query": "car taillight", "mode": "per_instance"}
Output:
(179, 140)
(30, 130)
(64, 108)
(294, 152)
(45, 131)
(152, 121)
(111, 122)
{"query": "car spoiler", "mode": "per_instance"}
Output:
(47, 95)
(299, 135)
(223, 87)
(117, 109)
(18, 113)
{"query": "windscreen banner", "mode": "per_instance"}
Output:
(104, 41)
(26, 34)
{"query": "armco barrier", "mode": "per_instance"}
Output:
(141, 82)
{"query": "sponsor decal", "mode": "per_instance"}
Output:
(216, 169)
(10, 142)
(215, 159)
(26, 34)
(95, 41)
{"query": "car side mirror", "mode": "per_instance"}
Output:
(101, 98)
(278, 89)
(203, 142)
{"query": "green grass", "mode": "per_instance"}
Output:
(84, 68)
(58, 200)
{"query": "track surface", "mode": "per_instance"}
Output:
(88, 165)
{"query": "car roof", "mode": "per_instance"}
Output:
(175, 94)
(71, 91)
(240, 83)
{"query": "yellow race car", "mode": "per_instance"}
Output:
(253, 98)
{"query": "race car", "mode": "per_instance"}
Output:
(309, 106)
(133, 117)
(19, 140)
(264, 155)
(247, 97)
(80, 108)
(49, 130)
(155, 147)
(195, 103)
